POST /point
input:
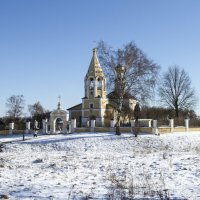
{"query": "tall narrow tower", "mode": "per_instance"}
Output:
(94, 102)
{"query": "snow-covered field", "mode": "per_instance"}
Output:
(101, 166)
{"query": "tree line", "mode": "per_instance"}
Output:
(15, 105)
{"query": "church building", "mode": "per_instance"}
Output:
(96, 104)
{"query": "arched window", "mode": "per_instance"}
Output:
(98, 83)
(91, 83)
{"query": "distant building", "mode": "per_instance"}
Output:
(97, 104)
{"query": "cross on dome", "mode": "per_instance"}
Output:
(59, 97)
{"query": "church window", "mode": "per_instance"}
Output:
(91, 105)
(91, 83)
(99, 83)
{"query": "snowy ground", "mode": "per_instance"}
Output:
(101, 166)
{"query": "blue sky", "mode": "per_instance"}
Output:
(46, 45)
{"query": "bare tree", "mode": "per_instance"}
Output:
(128, 71)
(15, 105)
(36, 109)
(176, 90)
(137, 116)
(38, 113)
(120, 91)
(140, 72)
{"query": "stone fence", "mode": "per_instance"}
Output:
(145, 125)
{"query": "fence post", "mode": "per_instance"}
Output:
(70, 127)
(92, 125)
(186, 124)
(28, 126)
(155, 129)
(11, 127)
(149, 124)
(132, 125)
(171, 124)
(44, 125)
(73, 125)
(132, 122)
(112, 125)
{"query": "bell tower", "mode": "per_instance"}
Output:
(95, 79)
(94, 102)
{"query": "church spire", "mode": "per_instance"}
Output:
(95, 79)
(94, 64)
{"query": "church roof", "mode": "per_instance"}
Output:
(113, 95)
(94, 67)
(76, 107)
